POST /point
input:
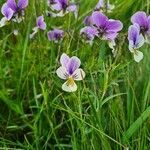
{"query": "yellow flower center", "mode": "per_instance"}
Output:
(70, 81)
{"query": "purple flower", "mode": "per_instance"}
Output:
(101, 6)
(8, 14)
(40, 24)
(108, 28)
(89, 33)
(143, 21)
(62, 7)
(136, 40)
(16, 7)
(55, 35)
(70, 71)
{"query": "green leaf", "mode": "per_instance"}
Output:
(135, 126)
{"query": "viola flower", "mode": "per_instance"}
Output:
(62, 7)
(143, 21)
(101, 6)
(40, 25)
(55, 35)
(8, 14)
(89, 33)
(18, 9)
(107, 28)
(70, 71)
(136, 40)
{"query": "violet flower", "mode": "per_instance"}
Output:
(143, 21)
(55, 35)
(13, 11)
(8, 14)
(40, 25)
(107, 28)
(62, 7)
(101, 6)
(136, 40)
(70, 71)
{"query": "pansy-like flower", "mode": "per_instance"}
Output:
(8, 14)
(55, 35)
(107, 28)
(143, 21)
(70, 71)
(13, 11)
(40, 25)
(62, 7)
(89, 33)
(136, 40)
(101, 6)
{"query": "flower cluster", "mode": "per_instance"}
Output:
(13, 11)
(138, 34)
(98, 25)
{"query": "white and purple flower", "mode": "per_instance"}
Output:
(70, 71)
(13, 11)
(62, 7)
(136, 40)
(40, 25)
(107, 28)
(8, 14)
(101, 6)
(143, 20)
(55, 35)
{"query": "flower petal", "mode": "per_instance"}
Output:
(72, 8)
(78, 74)
(74, 63)
(64, 59)
(12, 4)
(110, 36)
(140, 41)
(100, 5)
(133, 32)
(69, 87)
(62, 73)
(22, 4)
(99, 19)
(140, 18)
(3, 22)
(7, 11)
(40, 23)
(138, 56)
(114, 25)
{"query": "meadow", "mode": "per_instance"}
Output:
(110, 110)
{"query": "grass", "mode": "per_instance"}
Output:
(111, 107)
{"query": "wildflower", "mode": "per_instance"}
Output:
(143, 21)
(8, 13)
(136, 40)
(62, 7)
(18, 9)
(40, 25)
(89, 33)
(101, 6)
(55, 35)
(107, 28)
(70, 71)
